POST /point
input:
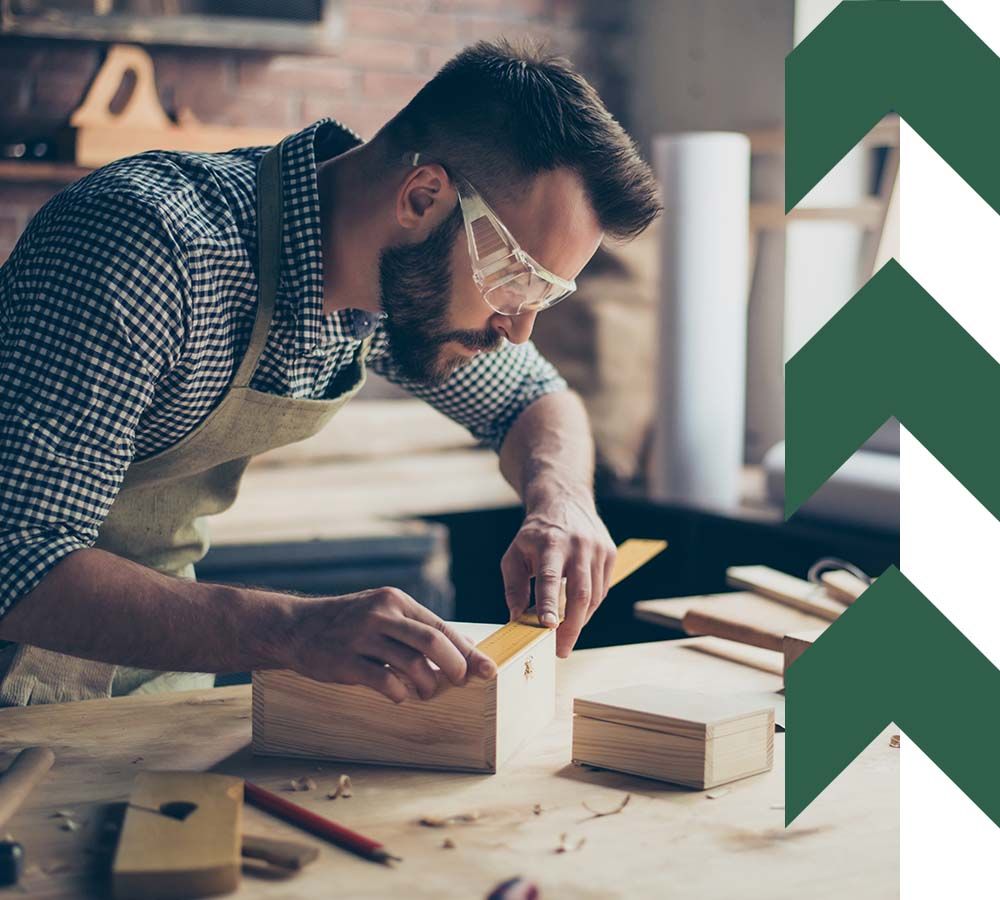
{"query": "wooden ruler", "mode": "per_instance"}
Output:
(506, 642)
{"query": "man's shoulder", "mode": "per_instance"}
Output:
(193, 197)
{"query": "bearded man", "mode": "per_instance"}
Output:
(174, 314)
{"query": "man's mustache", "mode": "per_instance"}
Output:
(475, 340)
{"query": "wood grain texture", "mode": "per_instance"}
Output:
(692, 738)
(161, 857)
(474, 728)
(28, 768)
(742, 606)
(783, 588)
(843, 586)
(697, 623)
(796, 644)
(845, 844)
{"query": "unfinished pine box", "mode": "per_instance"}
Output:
(685, 737)
(473, 728)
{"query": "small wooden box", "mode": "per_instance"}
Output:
(685, 737)
(473, 728)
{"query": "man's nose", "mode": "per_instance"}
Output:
(517, 329)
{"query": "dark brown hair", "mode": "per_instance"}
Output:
(500, 113)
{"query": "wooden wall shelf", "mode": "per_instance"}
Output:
(13, 171)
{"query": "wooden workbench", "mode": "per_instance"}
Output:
(667, 842)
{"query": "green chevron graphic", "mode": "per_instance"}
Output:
(895, 658)
(867, 58)
(891, 350)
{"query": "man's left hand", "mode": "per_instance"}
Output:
(561, 537)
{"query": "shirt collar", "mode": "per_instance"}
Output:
(302, 256)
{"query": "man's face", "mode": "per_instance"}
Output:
(437, 317)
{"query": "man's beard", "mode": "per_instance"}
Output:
(415, 284)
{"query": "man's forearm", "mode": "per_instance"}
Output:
(549, 450)
(100, 606)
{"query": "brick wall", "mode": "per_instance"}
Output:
(388, 51)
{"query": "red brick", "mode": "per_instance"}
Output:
(525, 9)
(477, 28)
(375, 53)
(391, 86)
(58, 95)
(388, 22)
(297, 72)
(432, 58)
(364, 118)
(69, 60)
(15, 90)
(257, 108)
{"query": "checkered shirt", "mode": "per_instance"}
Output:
(125, 310)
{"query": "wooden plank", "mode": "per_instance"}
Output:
(785, 589)
(473, 728)
(843, 585)
(180, 838)
(744, 606)
(698, 623)
(797, 644)
(845, 844)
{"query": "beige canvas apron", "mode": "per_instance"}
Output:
(158, 517)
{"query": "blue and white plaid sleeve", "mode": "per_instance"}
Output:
(487, 395)
(92, 310)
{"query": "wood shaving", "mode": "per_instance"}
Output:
(565, 847)
(461, 819)
(598, 814)
(343, 788)
(303, 784)
(717, 793)
(69, 825)
(537, 809)
(447, 844)
(894, 742)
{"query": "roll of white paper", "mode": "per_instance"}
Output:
(698, 444)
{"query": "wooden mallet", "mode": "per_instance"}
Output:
(27, 769)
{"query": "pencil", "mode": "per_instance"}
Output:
(316, 824)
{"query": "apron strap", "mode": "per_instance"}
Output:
(269, 226)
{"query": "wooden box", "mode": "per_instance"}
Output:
(473, 728)
(685, 737)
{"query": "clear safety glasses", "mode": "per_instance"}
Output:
(510, 281)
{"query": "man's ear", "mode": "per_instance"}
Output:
(424, 197)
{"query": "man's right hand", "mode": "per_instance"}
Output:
(381, 638)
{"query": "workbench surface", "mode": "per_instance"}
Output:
(666, 842)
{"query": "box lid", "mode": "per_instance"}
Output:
(687, 713)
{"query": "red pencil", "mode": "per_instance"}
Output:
(316, 824)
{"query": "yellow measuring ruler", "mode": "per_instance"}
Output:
(509, 640)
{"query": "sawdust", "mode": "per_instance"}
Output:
(343, 788)
(599, 814)
(447, 844)
(566, 847)
(302, 784)
(460, 819)
(537, 809)
(894, 742)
